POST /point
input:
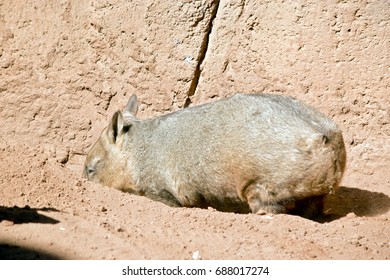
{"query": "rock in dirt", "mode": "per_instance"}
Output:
(351, 215)
(7, 223)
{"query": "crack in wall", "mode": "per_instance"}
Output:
(202, 54)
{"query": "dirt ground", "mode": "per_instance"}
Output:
(66, 66)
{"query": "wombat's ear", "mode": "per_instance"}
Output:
(115, 128)
(132, 106)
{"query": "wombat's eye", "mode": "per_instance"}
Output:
(91, 167)
(89, 171)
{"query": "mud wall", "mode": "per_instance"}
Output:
(65, 66)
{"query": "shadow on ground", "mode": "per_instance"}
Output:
(26, 214)
(12, 252)
(354, 200)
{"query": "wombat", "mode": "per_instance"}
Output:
(259, 153)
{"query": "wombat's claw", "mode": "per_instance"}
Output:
(261, 212)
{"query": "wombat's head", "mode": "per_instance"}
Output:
(106, 162)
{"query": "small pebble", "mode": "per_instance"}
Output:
(7, 223)
(312, 255)
(267, 217)
(351, 215)
(196, 255)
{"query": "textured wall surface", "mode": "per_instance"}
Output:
(64, 65)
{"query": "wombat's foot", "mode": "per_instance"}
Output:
(309, 208)
(262, 212)
(262, 200)
(263, 209)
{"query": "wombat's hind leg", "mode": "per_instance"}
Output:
(262, 200)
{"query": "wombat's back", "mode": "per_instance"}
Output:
(248, 152)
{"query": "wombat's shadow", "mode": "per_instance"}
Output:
(26, 214)
(361, 202)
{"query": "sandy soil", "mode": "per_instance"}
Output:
(66, 66)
